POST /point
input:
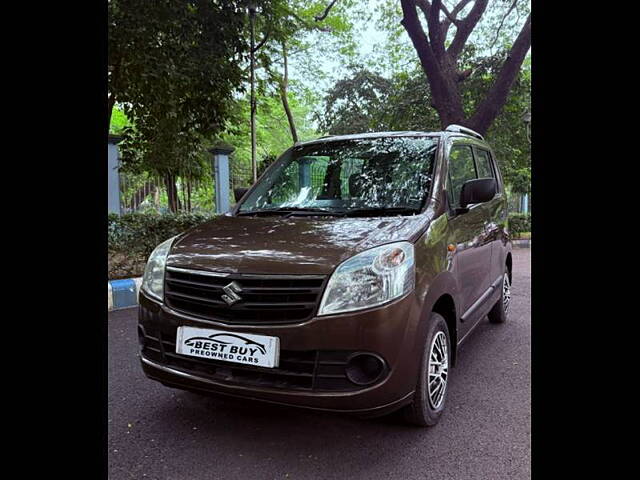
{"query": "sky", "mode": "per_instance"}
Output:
(369, 37)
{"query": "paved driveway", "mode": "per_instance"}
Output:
(161, 433)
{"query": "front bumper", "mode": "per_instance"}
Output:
(389, 332)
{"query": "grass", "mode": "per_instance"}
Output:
(523, 236)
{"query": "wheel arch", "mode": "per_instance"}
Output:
(446, 307)
(441, 299)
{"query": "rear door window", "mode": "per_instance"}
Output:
(483, 162)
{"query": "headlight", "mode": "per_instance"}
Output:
(153, 279)
(370, 278)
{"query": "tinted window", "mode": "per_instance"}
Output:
(483, 162)
(461, 169)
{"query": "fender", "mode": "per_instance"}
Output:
(443, 284)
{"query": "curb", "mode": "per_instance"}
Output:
(123, 293)
(521, 243)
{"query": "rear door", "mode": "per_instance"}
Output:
(495, 212)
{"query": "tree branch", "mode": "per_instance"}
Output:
(261, 42)
(452, 17)
(319, 18)
(502, 23)
(284, 85)
(448, 14)
(431, 13)
(425, 6)
(309, 25)
(465, 28)
(435, 32)
(418, 37)
(488, 110)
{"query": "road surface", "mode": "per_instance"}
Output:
(160, 433)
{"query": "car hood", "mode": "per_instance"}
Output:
(294, 245)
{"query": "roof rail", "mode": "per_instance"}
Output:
(461, 129)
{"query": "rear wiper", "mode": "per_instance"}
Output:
(288, 211)
(380, 211)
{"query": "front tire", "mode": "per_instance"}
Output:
(431, 390)
(500, 310)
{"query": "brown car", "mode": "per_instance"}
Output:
(344, 279)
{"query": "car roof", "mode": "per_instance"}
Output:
(389, 134)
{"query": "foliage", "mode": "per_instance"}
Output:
(173, 69)
(118, 121)
(519, 223)
(299, 30)
(307, 32)
(178, 73)
(440, 32)
(273, 136)
(133, 236)
(355, 102)
(402, 103)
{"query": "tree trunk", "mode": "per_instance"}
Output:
(440, 64)
(284, 85)
(189, 196)
(444, 90)
(172, 192)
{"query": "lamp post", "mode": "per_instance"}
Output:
(252, 21)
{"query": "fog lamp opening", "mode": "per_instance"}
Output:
(364, 368)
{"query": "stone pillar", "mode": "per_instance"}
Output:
(525, 203)
(220, 170)
(113, 178)
(304, 172)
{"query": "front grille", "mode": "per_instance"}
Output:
(311, 370)
(264, 298)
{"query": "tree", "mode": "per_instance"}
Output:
(273, 136)
(365, 101)
(440, 63)
(355, 103)
(287, 33)
(173, 69)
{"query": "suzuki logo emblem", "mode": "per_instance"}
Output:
(231, 292)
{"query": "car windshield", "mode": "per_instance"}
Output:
(386, 174)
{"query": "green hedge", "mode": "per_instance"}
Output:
(519, 223)
(133, 236)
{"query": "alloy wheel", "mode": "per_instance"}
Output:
(506, 293)
(438, 369)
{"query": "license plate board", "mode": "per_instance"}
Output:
(234, 347)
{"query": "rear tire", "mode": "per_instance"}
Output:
(431, 390)
(500, 310)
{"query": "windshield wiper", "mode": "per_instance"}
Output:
(380, 211)
(288, 211)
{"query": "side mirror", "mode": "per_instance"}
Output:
(479, 190)
(239, 192)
